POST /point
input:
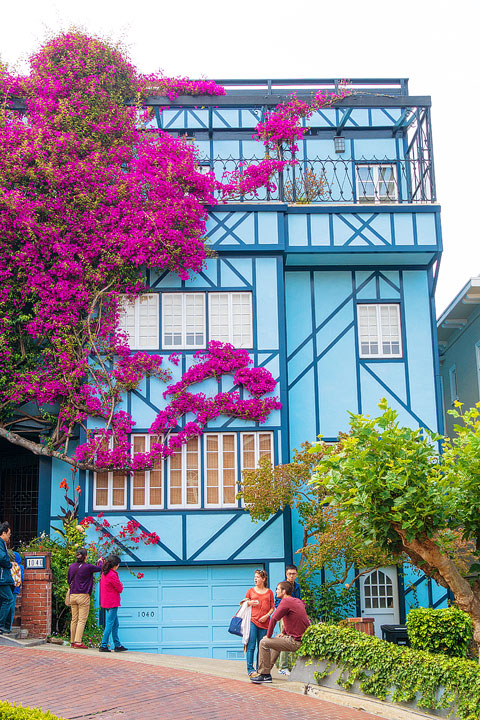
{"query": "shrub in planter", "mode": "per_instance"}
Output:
(394, 672)
(448, 631)
(18, 712)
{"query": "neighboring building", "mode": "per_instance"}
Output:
(458, 331)
(332, 291)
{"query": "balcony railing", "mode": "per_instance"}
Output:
(338, 180)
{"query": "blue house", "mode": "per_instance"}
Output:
(329, 282)
(458, 330)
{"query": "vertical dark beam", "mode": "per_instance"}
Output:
(285, 419)
(401, 594)
(428, 130)
(435, 352)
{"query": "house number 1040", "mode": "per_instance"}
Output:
(146, 613)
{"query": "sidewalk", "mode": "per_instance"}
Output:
(82, 684)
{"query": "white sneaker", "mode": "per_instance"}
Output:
(284, 671)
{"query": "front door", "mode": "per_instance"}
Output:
(379, 597)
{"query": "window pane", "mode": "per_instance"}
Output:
(248, 443)
(138, 488)
(242, 319)
(126, 319)
(212, 469)
(229, 486)
(101, 494)
(172, 319)
(219, 317)
(192, 471)
(265, 445)
(148, 321)
(156, 487)
(176, 478)
(118, 484)
(194, 319)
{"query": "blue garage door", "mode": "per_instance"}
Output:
(184, 610)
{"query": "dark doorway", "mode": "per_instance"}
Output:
(19, 491)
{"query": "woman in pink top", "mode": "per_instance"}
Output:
(110, 589)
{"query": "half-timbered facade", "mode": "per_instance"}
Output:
(328, 282)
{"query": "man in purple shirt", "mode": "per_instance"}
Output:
(295, 622)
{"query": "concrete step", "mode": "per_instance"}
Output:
(14, 641)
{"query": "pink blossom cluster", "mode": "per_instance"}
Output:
(107, 448)
(173, 87)
(283, 125)
(248, 179)
(281, 128)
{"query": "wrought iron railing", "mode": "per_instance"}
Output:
(338, 180)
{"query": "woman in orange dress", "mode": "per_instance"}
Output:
(261, 600)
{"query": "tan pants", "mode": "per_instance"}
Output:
(270, 649)
(80, 604)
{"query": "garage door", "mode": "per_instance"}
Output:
(184, 610)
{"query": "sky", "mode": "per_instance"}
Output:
(434, 43)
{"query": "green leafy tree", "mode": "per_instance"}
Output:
(328, 541)
(393, 488)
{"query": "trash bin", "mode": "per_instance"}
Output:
(395, 634)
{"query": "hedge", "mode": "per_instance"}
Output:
(18, 712)
(448, 630)
(384, 669)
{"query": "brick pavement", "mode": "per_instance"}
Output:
(88, 688)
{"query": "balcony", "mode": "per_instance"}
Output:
(372, 181)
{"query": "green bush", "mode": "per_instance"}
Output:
(18, 712)
(325, 603)
(448, 631)
(384, 669)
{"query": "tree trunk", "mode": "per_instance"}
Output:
(444, 571)
(42, 450)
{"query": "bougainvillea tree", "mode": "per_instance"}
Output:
(88, 201)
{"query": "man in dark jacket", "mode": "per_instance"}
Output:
(291, 573)
(6, 581)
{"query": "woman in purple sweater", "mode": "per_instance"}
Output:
(80, 582)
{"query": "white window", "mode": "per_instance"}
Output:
(183, 320)
(230, 316)
(139, 319)
(184, 476)
(378, 590)
(146, 485)
(452, 375)
(376, 183)
(221, 469)
(255, 446)
(379, 330)
(109, 487)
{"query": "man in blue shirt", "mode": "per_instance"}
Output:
(291, 573)
(6, 580)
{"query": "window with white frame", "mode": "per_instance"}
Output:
(230, 316)
(376, 183)
(255, 446)
(221, 469)
(183, 320)
(146, 485)
(452, 376)
(110, 490)
(379, 330)
(139, 320)
(184, 476)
